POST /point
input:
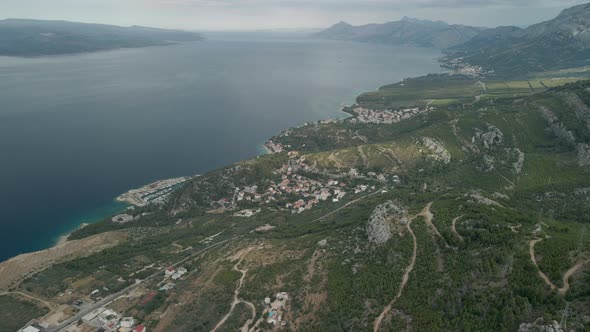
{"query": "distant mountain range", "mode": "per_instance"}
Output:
(562, 42)
(20, 37)
(408, 31)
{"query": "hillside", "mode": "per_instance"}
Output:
(407, 32)
(443, 203)
(563, 42)
(35, 38)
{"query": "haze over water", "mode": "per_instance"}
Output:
(77, 131)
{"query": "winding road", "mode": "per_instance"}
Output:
(237, 299)
(566, 276)
(427, 214)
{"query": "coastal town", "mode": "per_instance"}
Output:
(300, 187)
(458, 66)
(366, 115)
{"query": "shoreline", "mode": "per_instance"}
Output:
(129, 200)
(62, 239)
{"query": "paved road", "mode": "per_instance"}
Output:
(128, 289)
(348, 204)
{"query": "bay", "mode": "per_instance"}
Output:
(78, 130)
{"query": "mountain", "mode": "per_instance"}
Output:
(562, 42)
(408, 31)
(443, 203)
(19, 37)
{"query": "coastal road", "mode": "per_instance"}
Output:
(128, 289)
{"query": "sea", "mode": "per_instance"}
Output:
(76, 131)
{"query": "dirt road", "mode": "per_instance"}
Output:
(34, 298)
(427, 214)
(237, 295)
(566, 275)
(454, 228)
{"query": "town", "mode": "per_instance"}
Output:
(299, 187)
(365, 115)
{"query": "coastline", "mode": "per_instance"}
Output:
(62, 239)
(129, 199)
(92, 216)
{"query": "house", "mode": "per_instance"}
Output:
(127, 322)
(140, 328)
(169, 271)
(33, 327)
(30, 329)
(178, 274)
(167, 287)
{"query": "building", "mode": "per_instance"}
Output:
(127, 322)
(33, 326)
(167, 287)
(169, 271)
(140, 328)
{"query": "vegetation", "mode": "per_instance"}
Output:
(509, 180)
(15, 312)
(36, 38)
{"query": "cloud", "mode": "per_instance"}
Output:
(367, 4)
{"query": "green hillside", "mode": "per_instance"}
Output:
(435, 232)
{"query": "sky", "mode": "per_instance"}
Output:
(235, 15)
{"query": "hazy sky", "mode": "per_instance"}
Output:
(277, 14)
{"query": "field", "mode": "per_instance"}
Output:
(441, 90)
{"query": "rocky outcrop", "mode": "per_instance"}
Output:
(489, 138)
(439, 152)
(560, 130)
(540, 326)
(580, 108)
(488, 163)
(583, 151)
(478, 198)
(557, 128)
(519, 163)
(382, 219)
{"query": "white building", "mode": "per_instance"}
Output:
(127, 322)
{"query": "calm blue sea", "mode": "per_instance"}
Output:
(76, 131)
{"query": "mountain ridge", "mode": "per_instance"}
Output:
(560, 43)
(406, 32)
(28, 37)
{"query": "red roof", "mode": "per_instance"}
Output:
(139, 328)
